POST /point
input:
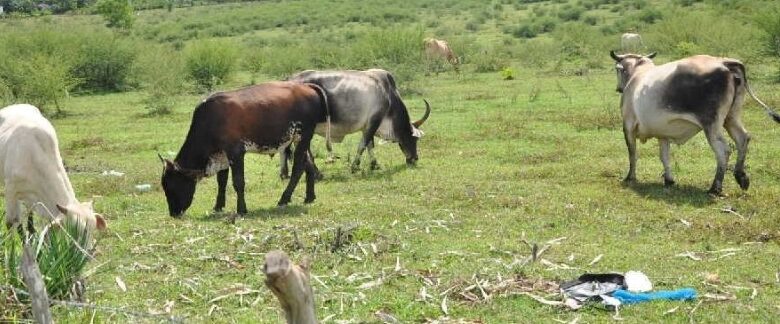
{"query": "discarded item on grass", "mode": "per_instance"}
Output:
(627, 297)
(143, 187)
(112, 173)
(613, 290)
(590, 287)
(637, 282)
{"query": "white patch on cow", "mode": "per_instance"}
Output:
(385, 130)
(416, 132)
(292, 135)
(217, 162)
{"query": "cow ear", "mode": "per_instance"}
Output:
(100, 222)
(64, 210)
(651, 55)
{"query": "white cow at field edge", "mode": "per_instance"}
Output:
(631, 43)
(32, 170)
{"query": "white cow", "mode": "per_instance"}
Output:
(32, 171)
(675, 101)
(631, 42)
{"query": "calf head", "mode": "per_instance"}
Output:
(408, 137)
(627, 64)
(179, 188)
(82, 214)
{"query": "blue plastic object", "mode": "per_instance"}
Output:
(627, 297)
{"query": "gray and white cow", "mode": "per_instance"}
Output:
(674, 101)
(366, 101)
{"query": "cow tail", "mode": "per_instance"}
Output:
(324, 99)
(739, 68)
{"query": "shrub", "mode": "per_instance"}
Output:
(104, 62)
(117, 13)
(507, 73)
(571, 13)
(650, 15)
(769, 22)
(210, 63)
(40, 80)
(162, 76)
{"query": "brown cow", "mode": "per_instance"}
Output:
(435, 48)
(265, 119)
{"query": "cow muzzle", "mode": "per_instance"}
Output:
(412, 161)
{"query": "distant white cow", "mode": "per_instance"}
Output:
(631, 43)
(436, 48)
(32, 171)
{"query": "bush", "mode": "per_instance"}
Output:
(117, 13)
(769, 22)
(162, 75)
(571, 13)
(210, 63)
(40, 80)
(650, 15)
(104, 62)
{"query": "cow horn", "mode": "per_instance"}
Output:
(424, 117)
(651, 55)
(614, 56)
(162, 159)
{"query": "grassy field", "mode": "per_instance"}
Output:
(502, 162)
(496, 167)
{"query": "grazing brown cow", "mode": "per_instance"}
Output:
(264, 119)
(435, 49)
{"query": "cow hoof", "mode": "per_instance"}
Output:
(318, 176)
(742, 179)
(629, 180)
(668, 183)
(284, 176)
(374, 166)
(309, 200)
(242, 212)
(715, 192)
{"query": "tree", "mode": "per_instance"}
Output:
(118, 13)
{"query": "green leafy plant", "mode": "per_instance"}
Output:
(117, 13)
(210, 63)
(61, 255)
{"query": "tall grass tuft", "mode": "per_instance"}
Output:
(61, 258)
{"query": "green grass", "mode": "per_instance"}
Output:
(535, 158)
(494, 169)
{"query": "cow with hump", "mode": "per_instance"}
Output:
(33, 173)
(366, 101)
(265, 119)
(674, 101)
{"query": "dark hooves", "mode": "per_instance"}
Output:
(284, 176)
(669, 183)
(309, 200)
(742, 179)
(715, 193)
(629, 180)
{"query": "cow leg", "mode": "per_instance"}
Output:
(299, 162)
(741, 138)
(630, 136)
(721, 149)
(222, 178)
(12, 211)
(312, 175)
(374, 164)
(665, 148)
(368, 137)
(237, 166)
(284, 155)
(310, 161)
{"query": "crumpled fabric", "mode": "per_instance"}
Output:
(592, 287)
